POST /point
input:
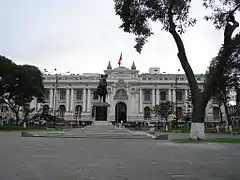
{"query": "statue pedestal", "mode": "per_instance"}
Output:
(100, 112)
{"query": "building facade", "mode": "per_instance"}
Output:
(131, 95)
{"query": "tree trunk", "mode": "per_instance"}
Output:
(166, 124)
(227, 114)
(221, 114)
(17, 116)
(200, 99)
(26, 115)
(199, 103)
(198, 118)
(237, 97)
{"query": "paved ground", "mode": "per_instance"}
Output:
(114, 159)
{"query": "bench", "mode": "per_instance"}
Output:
(162, 137)
(50, 129)
(26, 134)
(178, 131)
(235, 133)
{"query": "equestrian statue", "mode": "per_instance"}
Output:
(102, 88)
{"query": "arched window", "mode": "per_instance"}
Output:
(216, 114)
(147, 113)
(62, 110)
(45, 109)
(179, 112)
(93, 111)
(78, 111)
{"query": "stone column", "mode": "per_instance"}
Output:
(174, 95)
(133, 104)
(51, 98)
(67, 99)
(72, 100)
(141, 101)
(108, 98)
(169, 95)
(157, 96)
(33, 104)
(153, 97)
(185, 101)
(186, 94)
(84, 100)
(137, 103)
(54, 101)
(38, 106)
(89, 100)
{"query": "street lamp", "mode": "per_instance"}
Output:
(176, 100)
(55, 89)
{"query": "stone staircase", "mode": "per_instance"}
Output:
(100, 130)
(106, 130)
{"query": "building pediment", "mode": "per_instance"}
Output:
(122, 72)
(121, 94)
(120, 84)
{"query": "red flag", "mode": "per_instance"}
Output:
(120, 60)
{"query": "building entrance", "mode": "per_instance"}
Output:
(120, 112)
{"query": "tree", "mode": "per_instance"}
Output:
(164, 109)
(19, 85)
(27, 111)
(174, 17)
(188, 107)
(230, 80)
(219, 99)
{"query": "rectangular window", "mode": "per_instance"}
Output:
(163, 96)
(46, 94)
(79, 94)
(95, 95)
(147, 95)
(62, 94)
(179, 95)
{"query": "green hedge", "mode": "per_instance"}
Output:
(21, 128)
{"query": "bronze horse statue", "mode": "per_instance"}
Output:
(102, 88)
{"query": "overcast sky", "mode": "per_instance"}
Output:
(81, 36)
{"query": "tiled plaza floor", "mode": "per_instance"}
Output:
(114, 159)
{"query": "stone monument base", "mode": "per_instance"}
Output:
(100, 111)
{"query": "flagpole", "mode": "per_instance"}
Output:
(120, 60)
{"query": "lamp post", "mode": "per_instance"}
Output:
(54, 108)
(176, 100)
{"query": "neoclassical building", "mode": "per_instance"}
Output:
(131, 95)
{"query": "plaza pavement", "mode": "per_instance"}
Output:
(115, 159)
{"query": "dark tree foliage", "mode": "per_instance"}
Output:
(221, 10)
(164, 109)
(136, 16)
(230, 80)
(26, 111)
(19, 84)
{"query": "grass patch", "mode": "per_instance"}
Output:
(213, 140)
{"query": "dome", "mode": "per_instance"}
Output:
(121, 69)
